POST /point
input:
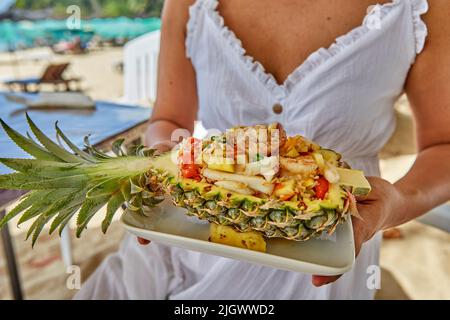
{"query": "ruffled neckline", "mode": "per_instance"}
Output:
(313, 61)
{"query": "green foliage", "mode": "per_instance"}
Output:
(62, 182)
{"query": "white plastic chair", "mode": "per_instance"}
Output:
(140, 65)
(66, 247)
(141, 69)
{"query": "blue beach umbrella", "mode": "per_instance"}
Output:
(16, 35)
(122, 27)
(8, 35)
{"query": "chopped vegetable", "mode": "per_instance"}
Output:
(190, 171)
(321, 187)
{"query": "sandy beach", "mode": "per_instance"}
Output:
(98, 69)
(415, 266)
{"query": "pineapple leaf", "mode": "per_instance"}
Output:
(15, 181)
(66, 220)
(64, 183)
(135, 203)
(58, 151)
(22, 181)
(30, 213)
(140, 150)
(45, 217)
(104, 188)
(113, 205)
(62, 215)
(42, 168)
(71, 208)
(39, 225)
(147, 152)
(76, 181)
(135, 150)
(88, 210)
(152, 202)
(125, 188)
(26, 201)
(44, 203)
(93, 151)
(31, 229)
(117, 147)
(68, 210)
(32, 139)
(28, 145)
(72, 146)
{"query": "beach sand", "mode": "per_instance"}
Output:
(98, 69)
(415, 266)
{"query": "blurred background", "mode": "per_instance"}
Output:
(107, 50)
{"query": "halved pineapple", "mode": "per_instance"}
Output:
(63, 183)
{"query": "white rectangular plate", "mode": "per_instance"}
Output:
(170, 225)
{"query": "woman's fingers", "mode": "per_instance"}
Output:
(143, 241)
(319, 281)
(370, 208)
(362, 198)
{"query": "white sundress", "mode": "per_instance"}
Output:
(341, 97)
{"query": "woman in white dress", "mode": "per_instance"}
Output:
(238, 62)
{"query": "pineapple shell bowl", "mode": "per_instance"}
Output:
(250, 183)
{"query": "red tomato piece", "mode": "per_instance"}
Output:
(321, 187)
(190, 171)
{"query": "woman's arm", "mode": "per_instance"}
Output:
(176, 102)
(427, 184)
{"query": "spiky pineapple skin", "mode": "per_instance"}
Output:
(274, 219)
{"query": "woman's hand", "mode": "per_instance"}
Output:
(160, 148)
(375, 209)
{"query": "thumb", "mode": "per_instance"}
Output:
(362, 198)
(368, 196)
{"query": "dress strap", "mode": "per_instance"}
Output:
(195, 15)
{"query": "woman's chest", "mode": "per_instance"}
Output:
(282, 34)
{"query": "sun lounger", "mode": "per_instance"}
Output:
(53, 75)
